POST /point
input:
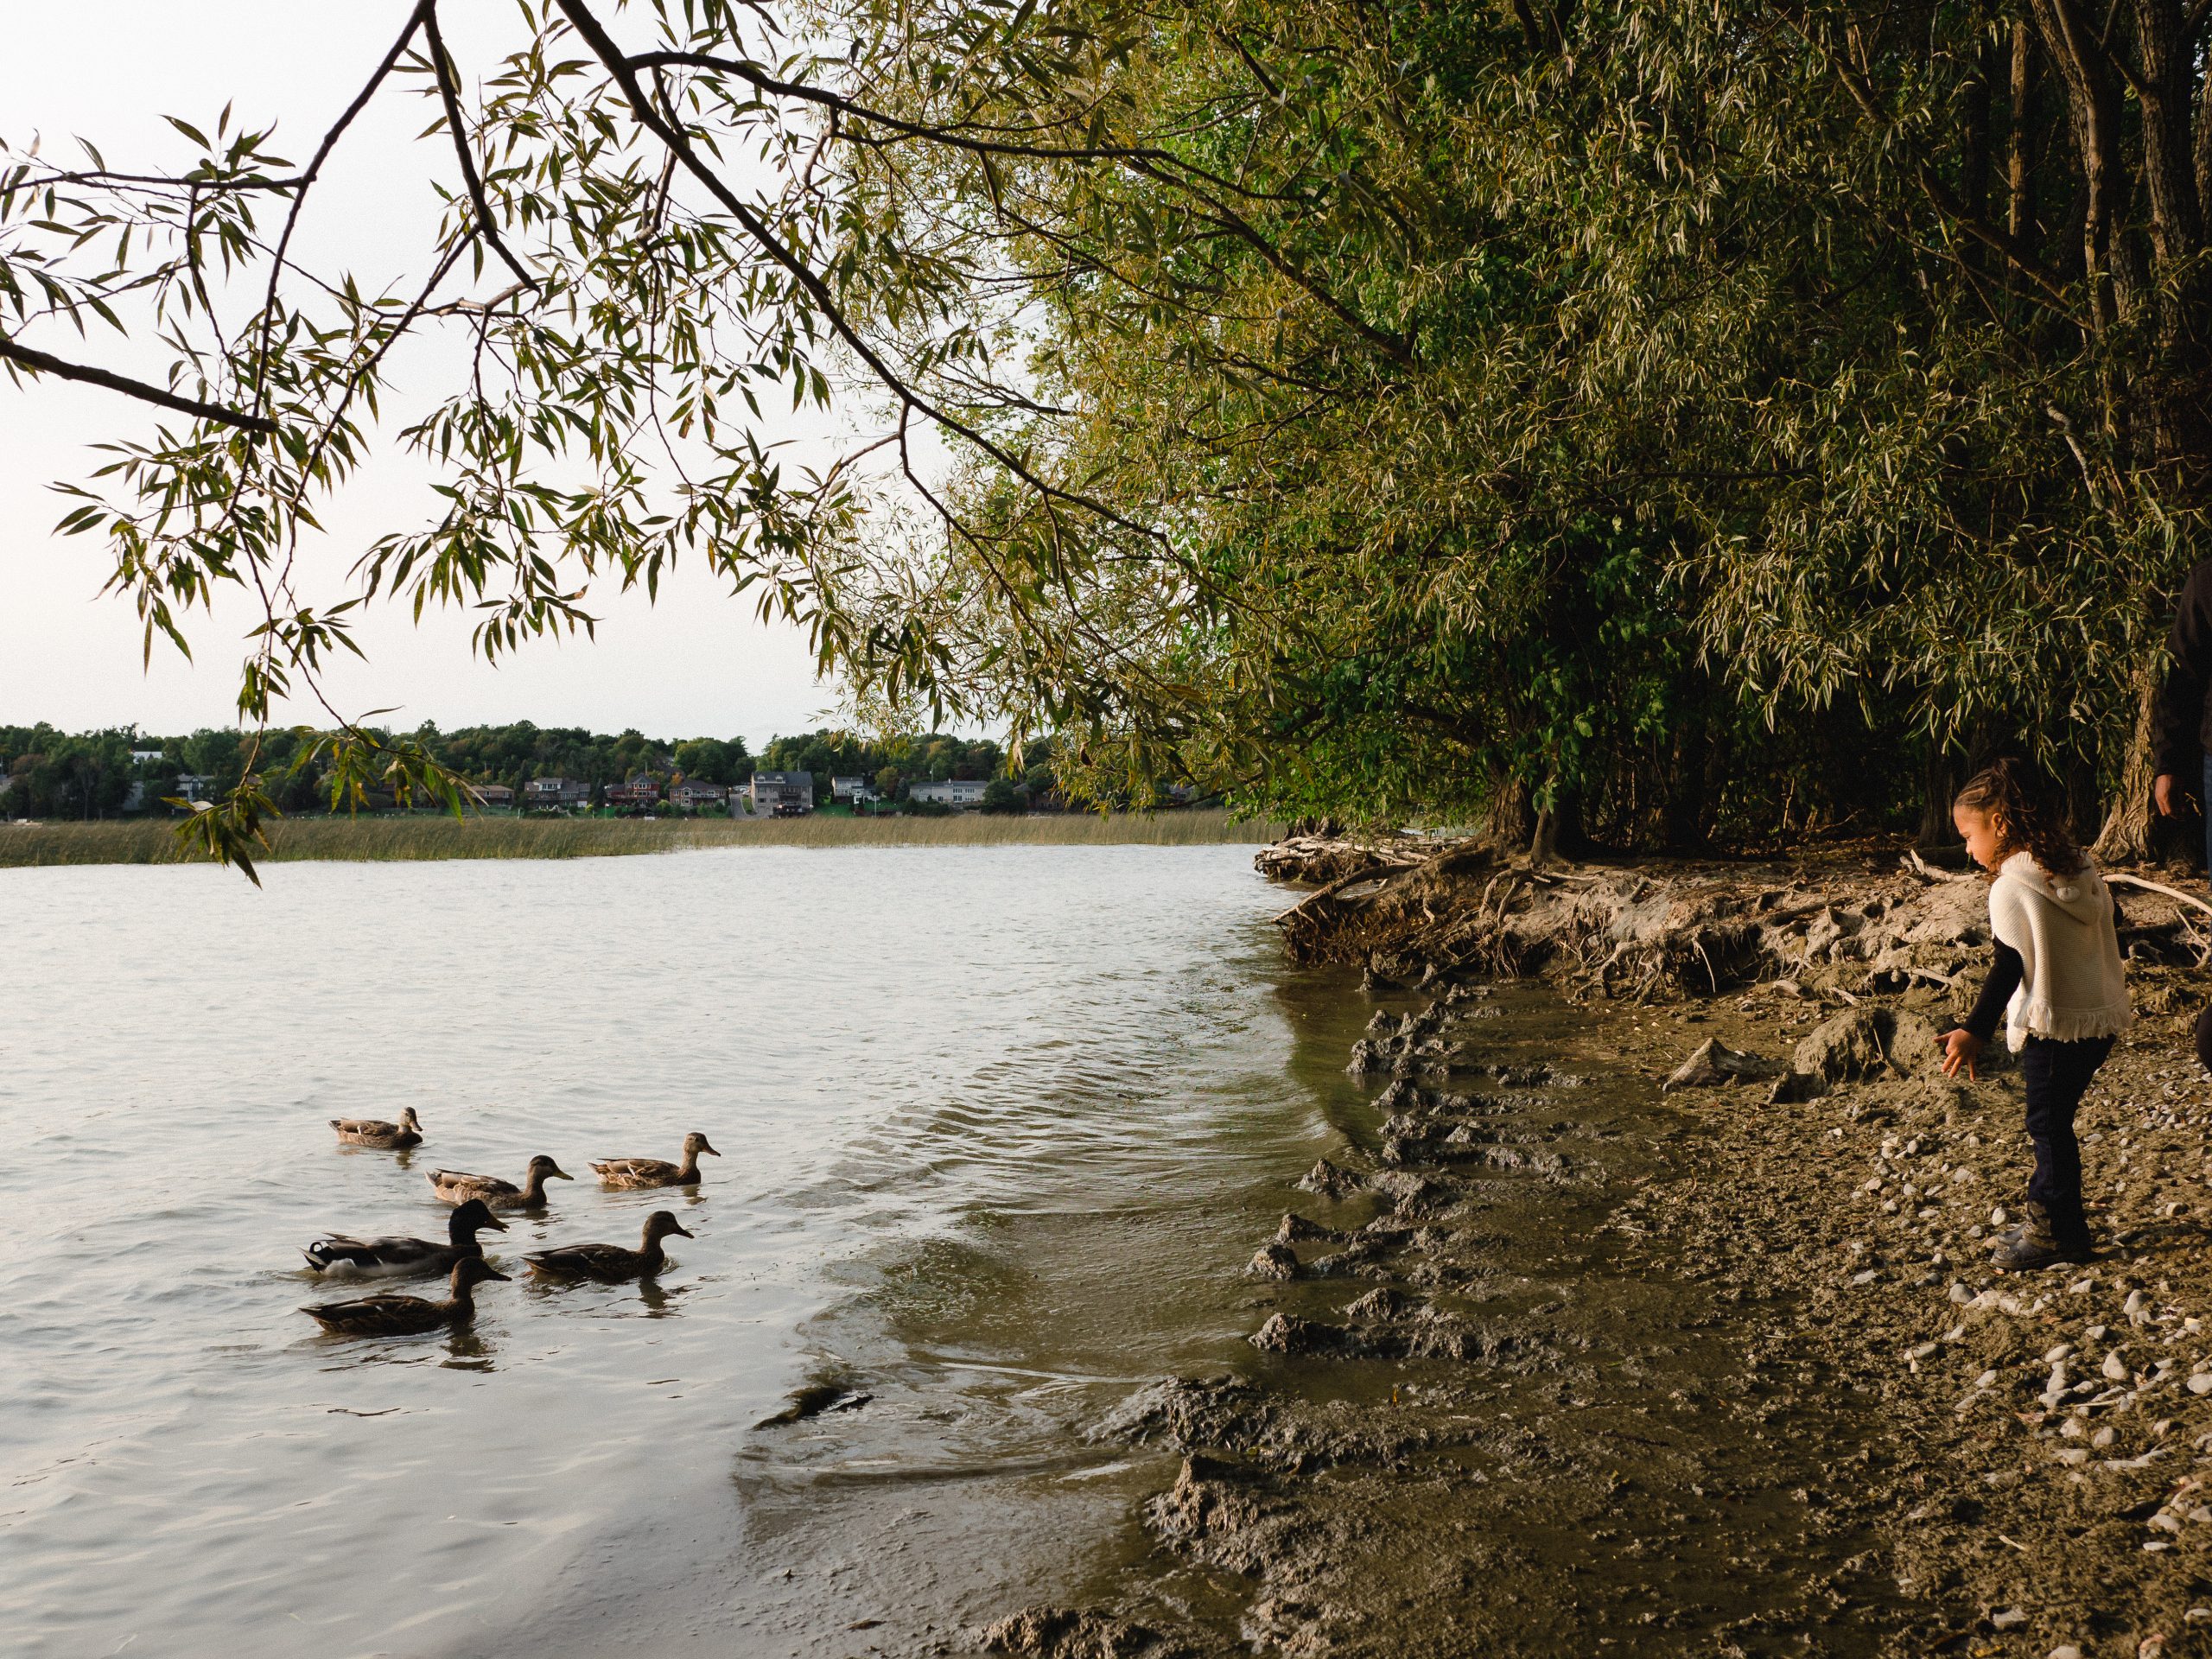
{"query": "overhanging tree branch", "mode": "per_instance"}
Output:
(45, 363)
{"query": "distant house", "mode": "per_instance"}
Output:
(955, 791)
(850, 789)
(145, 757)
(640, 791)
(491, 794)
(781, 794)
(193, 786)
(691, 795)
(555, 792)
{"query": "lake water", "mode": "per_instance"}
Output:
(998, 1127)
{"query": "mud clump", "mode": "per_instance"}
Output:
(1070, 1633)
(1331, 1181)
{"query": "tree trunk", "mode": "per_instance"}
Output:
(2125, 838)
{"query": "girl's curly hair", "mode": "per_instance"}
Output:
(2025, 813)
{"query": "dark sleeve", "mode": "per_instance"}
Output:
(2004, 975)
(2189, 667)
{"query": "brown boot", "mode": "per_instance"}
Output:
(2036, 1246)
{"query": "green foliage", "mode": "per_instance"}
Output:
(1672, 418)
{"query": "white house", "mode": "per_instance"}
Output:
(850, 789)
(954, 791)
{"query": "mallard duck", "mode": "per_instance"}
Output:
(456, 1188)
(340, 1258)
(610, 1263)
(393, 1315)
(658, 1172)
(375, 1132)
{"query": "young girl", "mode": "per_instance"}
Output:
(2058, 983)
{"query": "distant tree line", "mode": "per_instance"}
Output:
(46, 772)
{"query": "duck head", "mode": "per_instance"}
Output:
(408, 1121)
(472, 1217)
(662, 1223)
(543, 1168)
(473, 1270)
(694, 1143)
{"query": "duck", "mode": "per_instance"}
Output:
(393, 1315)
(610, 1263)
(375, 1132)
(340, 1258)
(658, 1172)
(455, 1187)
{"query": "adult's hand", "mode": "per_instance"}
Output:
(2162, 789)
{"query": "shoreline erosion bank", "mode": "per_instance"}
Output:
(1645, 1306)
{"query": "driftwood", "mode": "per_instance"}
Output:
(2158, 887)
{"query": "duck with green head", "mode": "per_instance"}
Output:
(394, 1315)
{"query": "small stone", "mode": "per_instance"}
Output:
(2114, 1367)
(1920, 1352)
(1867, 1277)
(2006, 1618)
(2201, 1383)
(1273, 1261)
(2080, 1286)
(1959, 1292)
(1998, 1217)
(2066, 1650)
(2103, 1437)
(2063, 1351)
(1987, 1380)
(2074, 1454)
(2134, 1303)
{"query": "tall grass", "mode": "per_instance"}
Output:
(152, 841)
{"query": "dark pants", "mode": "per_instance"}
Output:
(2205, 797)
(2057, 1075)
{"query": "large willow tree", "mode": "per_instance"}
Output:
(1669, 416)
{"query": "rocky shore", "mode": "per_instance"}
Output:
(1646, 1309)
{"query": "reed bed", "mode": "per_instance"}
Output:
(153, 842)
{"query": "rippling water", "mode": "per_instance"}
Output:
(993, 1123)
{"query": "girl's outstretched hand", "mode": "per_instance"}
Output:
(1960, 1048)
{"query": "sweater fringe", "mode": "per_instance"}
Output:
(2025, 1019)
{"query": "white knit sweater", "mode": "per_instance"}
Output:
(2072, 985)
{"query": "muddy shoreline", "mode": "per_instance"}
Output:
(1645, 1307)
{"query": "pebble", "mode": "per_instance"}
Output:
(1920, 1352)
(2114, 1367)
(2134, 1303)
(2066, 1650)
(1959, 1293)
(1998, 1217)
(2080, 1286)
(2102, 1436)
(2006, 1618)
(2063, 1351)
(2201, 1383)
(1867, 1278)
(2074, 1454)
(1987, 1380)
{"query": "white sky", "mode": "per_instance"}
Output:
(695, 663)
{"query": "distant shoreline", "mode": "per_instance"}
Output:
(426, 837)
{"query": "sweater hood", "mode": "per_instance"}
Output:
(2080, 897)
